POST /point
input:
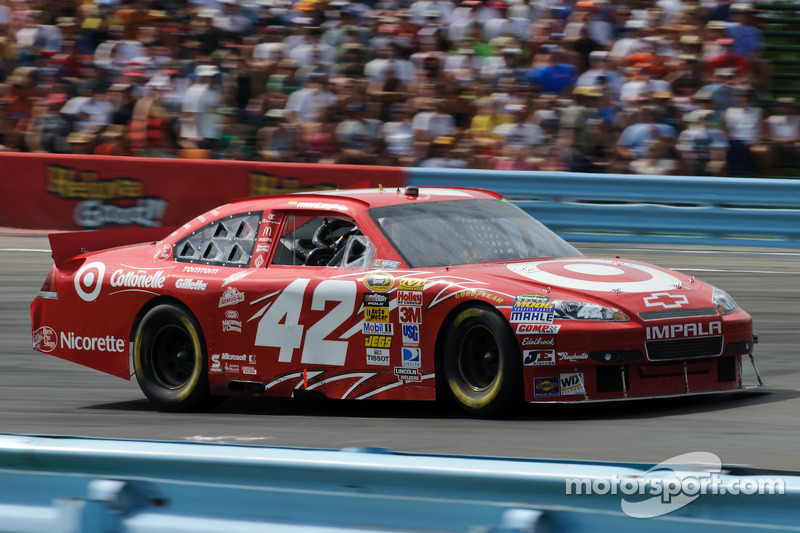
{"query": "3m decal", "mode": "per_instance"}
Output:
(410, 314)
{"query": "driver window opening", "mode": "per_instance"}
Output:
(323, 241)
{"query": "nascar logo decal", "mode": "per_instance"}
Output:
(596, 275)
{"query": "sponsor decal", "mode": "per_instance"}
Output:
(249, 370)
(411, 358)
(376, 314)
(407, 374)
(409, 297)
(666, 300)
(411, 284)
(231, 326)
(476, 293)
(231, 296)
(539, 357)
(114, 200)
(267, 232)
(410, 314)
(375, 299)
(377, 341)
(109, 343)
(566, 357)
(89, 280)
(262, 248)
(318, 205)
(233, 369)
(163, 253)
(45, 339)
(530, 298)
(379, 281)
(544, 340)
(217, 361)
(545, 387)
(547, 329)
(542, 316)
(138, 279)
(531, 305)
(602, 275)
(258, 261)
(378, 356)
(378, 328)
(263, 184)
(191, 284)
(236, 277)
(384, 264)
(232, 314)
(677, 331)
(572, 384)
(410, 334)
(200, 270)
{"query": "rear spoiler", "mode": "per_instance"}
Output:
(69, 244)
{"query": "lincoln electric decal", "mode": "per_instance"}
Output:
(103, 202)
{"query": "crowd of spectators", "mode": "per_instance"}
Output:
(654, 87)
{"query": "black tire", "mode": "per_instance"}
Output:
(482, 364)
(169, 358)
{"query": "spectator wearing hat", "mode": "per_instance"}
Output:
(520, 133)
(308, 103)
(632, 143)
(397, 136)
(279, 140)
(702, 147)
(741, 65)
(199, 122)
(601, 75)
(439, 155)
(782, 132)
(631, 43)
(358, 137)
(743, 122)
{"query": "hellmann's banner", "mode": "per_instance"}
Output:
(75, 192)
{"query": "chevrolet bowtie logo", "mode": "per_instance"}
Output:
(665, 300)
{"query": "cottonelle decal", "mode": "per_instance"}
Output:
(104, 202)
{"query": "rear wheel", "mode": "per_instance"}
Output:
(169, 358)
(482, 364)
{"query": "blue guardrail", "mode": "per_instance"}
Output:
(71, 484)
(635, 209)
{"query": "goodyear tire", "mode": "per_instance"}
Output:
(169, 358)
(482, 364)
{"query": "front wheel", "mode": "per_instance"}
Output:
(482, 364)
(169, 358)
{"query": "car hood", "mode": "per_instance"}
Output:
(627, 285)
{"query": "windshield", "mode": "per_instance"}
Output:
(461, 232)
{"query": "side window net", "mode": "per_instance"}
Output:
(226, 242)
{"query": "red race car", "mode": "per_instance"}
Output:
(401, 294)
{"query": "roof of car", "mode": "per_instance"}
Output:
(339, 199)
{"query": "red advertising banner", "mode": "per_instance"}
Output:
(75, 192)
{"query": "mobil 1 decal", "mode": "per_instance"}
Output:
(376, 314)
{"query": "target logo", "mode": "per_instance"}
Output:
(89, 280)
(601, 275)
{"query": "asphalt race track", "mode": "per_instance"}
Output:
(42, 395)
